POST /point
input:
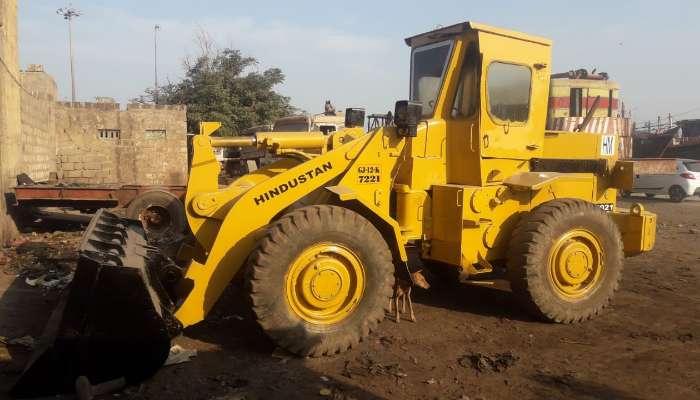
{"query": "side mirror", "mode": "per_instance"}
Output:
(407, 114)
(354, 117)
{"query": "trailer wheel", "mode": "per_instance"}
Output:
(565, 260)
(320, 280)
(160, 212)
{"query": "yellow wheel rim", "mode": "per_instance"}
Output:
(325, 283)
(575, 264)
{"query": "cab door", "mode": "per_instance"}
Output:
(514, 92)
(462, 122)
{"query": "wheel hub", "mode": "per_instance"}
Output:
(325, 283)
(575, 264)
(155, 218)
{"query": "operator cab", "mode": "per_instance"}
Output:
(485, 89)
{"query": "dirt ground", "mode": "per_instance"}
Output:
(470, 342)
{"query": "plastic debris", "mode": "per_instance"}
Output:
(45, 281)
(25, 341)
(179, 355)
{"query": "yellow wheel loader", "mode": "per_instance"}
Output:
(466, 174)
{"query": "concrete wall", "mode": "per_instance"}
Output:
(145, 144)
(159, 143)
(10, 144)
(39, 135)
(38, 116)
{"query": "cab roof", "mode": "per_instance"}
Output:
(456, 29)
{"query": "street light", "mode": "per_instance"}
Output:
(156, 28)
(68, 13)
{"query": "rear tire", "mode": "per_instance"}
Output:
(565, 260)
(299, 273)
(677, 194)
(160, 212)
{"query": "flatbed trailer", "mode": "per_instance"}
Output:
(159, 208)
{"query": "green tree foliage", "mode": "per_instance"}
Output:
(223, 85)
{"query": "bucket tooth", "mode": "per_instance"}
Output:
(110, 237)
(114, 321)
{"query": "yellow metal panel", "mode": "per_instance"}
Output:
(410, 209)
(496, 170)
(571, 186)
(623, 175)
(207, 128)
(638, 229)
(578, 146)
(531, 180)
(488, 224)
(446, 229)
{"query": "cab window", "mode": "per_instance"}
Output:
(508, 88)
(467, 96)
(428, 65)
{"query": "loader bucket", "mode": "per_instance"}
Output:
(113, 321)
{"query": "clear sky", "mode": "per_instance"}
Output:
(353, 53)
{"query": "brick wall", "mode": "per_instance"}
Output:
(159, 143)
(100, 144)
(9, 111)
(38, 117)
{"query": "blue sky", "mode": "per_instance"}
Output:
(355, 55)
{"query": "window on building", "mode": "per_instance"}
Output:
(508, 88)
(155, 133)
(109, 134)
(576, 102)
(610, 103)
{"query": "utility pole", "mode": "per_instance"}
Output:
(68, 13)
(156, 28)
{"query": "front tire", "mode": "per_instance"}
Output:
(565, 260)
(320, 280)
(677, 194)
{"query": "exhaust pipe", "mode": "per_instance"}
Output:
(114, 321)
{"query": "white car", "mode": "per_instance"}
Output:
(679, 185)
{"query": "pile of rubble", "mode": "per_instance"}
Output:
(44, 260)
